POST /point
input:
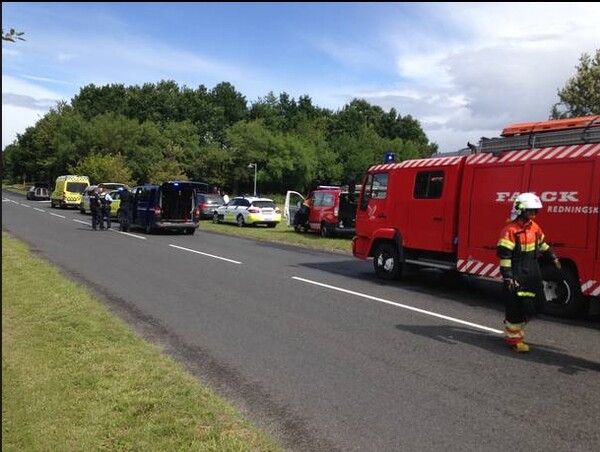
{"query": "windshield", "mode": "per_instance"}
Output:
(76, 187)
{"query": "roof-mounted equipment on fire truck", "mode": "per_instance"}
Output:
(530, 135)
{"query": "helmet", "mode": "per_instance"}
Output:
(523, 202)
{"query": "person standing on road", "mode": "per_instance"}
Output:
(106, 201)
(520, 245)
(124, 208)
(96, 210)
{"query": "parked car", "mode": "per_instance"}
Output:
(248, 210)
(208, 203)
(169, 206)
(115, 205)
(112, 186)
(39, 192)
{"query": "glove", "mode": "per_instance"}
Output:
(511, 284)
(557, 264)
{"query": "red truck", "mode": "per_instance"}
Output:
(446, 211)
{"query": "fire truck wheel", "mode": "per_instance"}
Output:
(386, 261)
(325, 230)
(562, 292)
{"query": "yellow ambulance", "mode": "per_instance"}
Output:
(67, 191)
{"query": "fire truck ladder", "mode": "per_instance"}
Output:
(590, 133)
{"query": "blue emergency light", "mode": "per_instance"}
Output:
(389, 157)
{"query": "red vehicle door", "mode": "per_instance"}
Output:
(322, 208)
(426, 210)
(372, 213)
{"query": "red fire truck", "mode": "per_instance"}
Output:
(446, 211)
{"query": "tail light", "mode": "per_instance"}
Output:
(203, 205)
(196, 212)
(253, 210)
(157, 212)
(336, 211)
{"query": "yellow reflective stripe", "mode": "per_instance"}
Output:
(525, 294)
(506, 244)
(544, 247)
(505, 263)
(528, 247)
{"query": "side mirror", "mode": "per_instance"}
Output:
(364, 203)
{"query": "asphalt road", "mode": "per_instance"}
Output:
(313, 347)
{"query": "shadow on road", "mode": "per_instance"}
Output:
(543, 354)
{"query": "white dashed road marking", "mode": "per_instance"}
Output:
(205, 254)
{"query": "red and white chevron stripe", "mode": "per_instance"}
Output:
(591, 287)
(551, 153)
(479, 268)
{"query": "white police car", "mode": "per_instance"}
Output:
(246, 210)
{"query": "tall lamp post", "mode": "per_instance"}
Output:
(255, 166)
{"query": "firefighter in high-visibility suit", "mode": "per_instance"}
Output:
(520, 245)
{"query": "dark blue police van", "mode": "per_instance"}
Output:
(168, 206)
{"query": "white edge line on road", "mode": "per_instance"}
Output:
(38, 209)
(56, 215)
(24, 205)
(129, 234)
(205, 254)
(87, 223)
(381, 300)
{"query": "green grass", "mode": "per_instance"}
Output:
(281, 234)
(74, 377)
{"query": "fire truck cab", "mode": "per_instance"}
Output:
(446, 211)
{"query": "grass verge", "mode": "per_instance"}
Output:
(281, 234)
(74, 377)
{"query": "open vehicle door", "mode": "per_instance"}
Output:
(293, 201)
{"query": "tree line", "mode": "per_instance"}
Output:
(161, 131)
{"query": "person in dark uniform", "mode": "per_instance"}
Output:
(96, 210)
(106, 201)
(124, 209)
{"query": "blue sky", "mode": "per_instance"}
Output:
(464, 70)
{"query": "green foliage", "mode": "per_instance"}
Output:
(161, 131)
(104, 168)
(581, 94)
(168, 168)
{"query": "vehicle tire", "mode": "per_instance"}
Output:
(81, 209)
(562, 292)
(215, 218)
(386, 261)
(325, 230)
(240, 221)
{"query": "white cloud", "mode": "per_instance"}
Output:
(493, 65)
(23, 104)
(65, 56)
